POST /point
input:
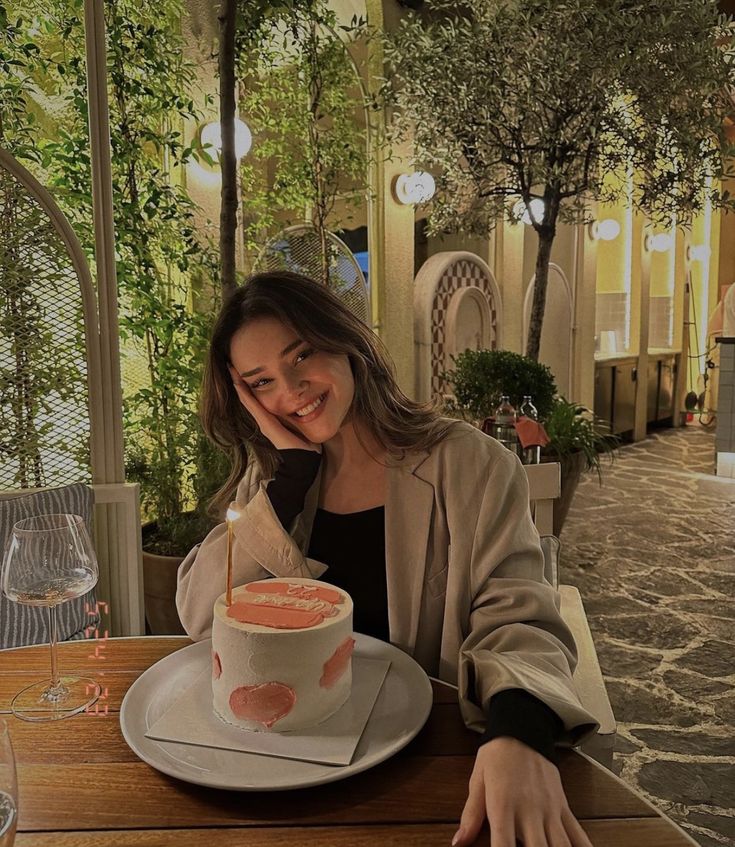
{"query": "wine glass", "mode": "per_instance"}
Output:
(50, 560)
(8, 789)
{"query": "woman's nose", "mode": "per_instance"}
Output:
(295, 385)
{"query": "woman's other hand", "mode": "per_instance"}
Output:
(520, 793)
(279, 435)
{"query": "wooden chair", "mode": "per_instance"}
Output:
(544, 487)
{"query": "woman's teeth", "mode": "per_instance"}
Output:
(307, 410)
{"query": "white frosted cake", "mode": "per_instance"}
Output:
(281, 654)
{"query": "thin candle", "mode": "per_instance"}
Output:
(232, 515)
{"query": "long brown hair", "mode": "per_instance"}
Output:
(397, 423)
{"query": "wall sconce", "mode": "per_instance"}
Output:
(418, 187)
(521, 212)
(658, 243)
(698, 253)
(212, 135)
(604, 230)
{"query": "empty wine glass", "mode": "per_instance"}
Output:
(8, 789)
(50, 560)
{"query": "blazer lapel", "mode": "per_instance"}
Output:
(408, 514)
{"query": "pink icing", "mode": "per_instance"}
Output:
(337, 664)
(216, 666)
(276, 617)
(266, 703)
(304, 592)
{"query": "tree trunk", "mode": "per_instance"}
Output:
(545, 241)
(228, 163)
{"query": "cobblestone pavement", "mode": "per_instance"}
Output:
(653, 555)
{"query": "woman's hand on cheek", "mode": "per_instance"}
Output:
(279, 435)
(520, 793)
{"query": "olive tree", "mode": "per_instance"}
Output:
(541, 99)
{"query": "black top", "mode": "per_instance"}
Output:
(353, 548)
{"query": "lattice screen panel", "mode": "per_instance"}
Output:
(44, 418)
(299, 249)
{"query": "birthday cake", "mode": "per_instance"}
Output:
(281, 654)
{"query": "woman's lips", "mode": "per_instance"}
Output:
(315, 414)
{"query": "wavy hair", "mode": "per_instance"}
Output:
(319, 318)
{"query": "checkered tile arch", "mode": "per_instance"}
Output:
(463, 273)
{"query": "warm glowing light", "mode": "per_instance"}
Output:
(699, 252)
(418, 187)
(212, 136)
(659, 243)
(534, 210)
(607, 229)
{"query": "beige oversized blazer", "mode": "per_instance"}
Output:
(466, 593)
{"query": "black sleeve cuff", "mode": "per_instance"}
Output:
(293, 478)
(518, 714)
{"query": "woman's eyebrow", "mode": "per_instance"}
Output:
(286, 350)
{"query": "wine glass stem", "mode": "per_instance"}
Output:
(56, 687)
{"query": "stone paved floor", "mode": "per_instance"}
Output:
(653, 555)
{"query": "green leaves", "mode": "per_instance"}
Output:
(160, 257)
(497, 94)
(300, 97)
(480, 377)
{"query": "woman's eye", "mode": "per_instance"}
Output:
(304, 354)
(259, 383)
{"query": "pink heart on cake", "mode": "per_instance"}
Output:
(216, 666)
(337, 663)
(266, 703)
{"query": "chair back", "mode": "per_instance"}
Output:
(544, 486)
(21, 625)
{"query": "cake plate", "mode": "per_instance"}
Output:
(400, 711)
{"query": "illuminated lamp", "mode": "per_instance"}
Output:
(418, 187)
(521, 212)
(212, 136)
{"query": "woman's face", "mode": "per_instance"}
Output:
(309, 390)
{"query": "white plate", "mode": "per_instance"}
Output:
(400, 711)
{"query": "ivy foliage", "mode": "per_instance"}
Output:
(160, 257)
(298, 91)
(42, 363)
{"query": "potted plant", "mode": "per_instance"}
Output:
(577, 439)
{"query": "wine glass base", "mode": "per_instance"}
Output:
(40, 702)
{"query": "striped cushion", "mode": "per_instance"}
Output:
(22, 625)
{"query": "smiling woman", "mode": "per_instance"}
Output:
(424, 521)
(305, 388)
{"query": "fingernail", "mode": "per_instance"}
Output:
(458, 835)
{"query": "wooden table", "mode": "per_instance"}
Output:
(80, 784)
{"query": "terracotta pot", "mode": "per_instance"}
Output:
(572, 467)
(159, 590)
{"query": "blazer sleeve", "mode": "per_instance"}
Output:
(517, 638)
(261, 548)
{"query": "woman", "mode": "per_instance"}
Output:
(424, 520)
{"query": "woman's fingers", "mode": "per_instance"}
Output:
(280, 435)
(473, 814)
(556, 836)
(577, 836)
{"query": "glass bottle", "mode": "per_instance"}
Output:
(529, 455)
(505, 418)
